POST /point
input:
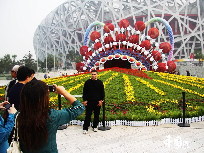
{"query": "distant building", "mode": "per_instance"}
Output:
(63, 29)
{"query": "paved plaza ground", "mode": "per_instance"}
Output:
(166, 138)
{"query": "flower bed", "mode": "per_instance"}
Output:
(139, 96)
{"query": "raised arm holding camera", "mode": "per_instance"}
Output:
(6, 128)
(37, 123)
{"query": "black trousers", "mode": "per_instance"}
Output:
(90, 108)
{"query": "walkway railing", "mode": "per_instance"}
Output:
(144, 123)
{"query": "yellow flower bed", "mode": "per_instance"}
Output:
(151, 109)
(178, 79)
(80, 84)
(53, 99)
(1, 95)
(75, 87)
(55, 80)
(76, 79)
(81, 77)
(129, 91)
(179, 87)
(157, 90)
(109, 79)
(3, 87)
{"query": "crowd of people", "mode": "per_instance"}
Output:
(37, 124)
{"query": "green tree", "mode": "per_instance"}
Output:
(14, 58)
(6, 64)
(29, 61)
(50, 63)
(73, 56)
(199, 55)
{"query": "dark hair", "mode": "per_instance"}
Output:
(33, 71)
(23, 73)
(33, 116)
(94, 71)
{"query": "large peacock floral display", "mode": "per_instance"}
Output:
(127, 43)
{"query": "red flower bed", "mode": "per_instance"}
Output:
(134, 72)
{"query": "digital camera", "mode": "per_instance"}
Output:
(51, 88)
(7, 106)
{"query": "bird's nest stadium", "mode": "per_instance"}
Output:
(63, 30)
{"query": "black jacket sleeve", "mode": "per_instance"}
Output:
(85, 91)
(102, 91)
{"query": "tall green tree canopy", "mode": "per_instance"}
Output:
(29, 61)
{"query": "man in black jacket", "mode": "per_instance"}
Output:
(13, 81)
(24, 75)
(93, 96)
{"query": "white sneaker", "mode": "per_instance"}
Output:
(95, 129)
(85, 131)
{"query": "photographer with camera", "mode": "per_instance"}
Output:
(6, 128)
(37, 123)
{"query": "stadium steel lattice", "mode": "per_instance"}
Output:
(63, 29)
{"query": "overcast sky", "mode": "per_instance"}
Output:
(18, 22)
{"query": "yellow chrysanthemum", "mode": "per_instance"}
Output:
(157, 90)
(129, 91)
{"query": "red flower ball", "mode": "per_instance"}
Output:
(108, 40)
(95, 35)
(102, 60)
(161, 67)
(108, 27)
(134, 39)
(156, 55)
(120, 37)
(117, 56)
(110, 57)
(140, 25)
(146, 44)
(165, 46)
(97, 45)
(97, 63)
(131, 59)
(89, 53)
(83, 50)
(138, 63)
(171, 66)
(79, 66)
(153, 33)
(124, 57)
(124, 23)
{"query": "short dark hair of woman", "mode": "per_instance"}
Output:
(33, 116)
(23, 73)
